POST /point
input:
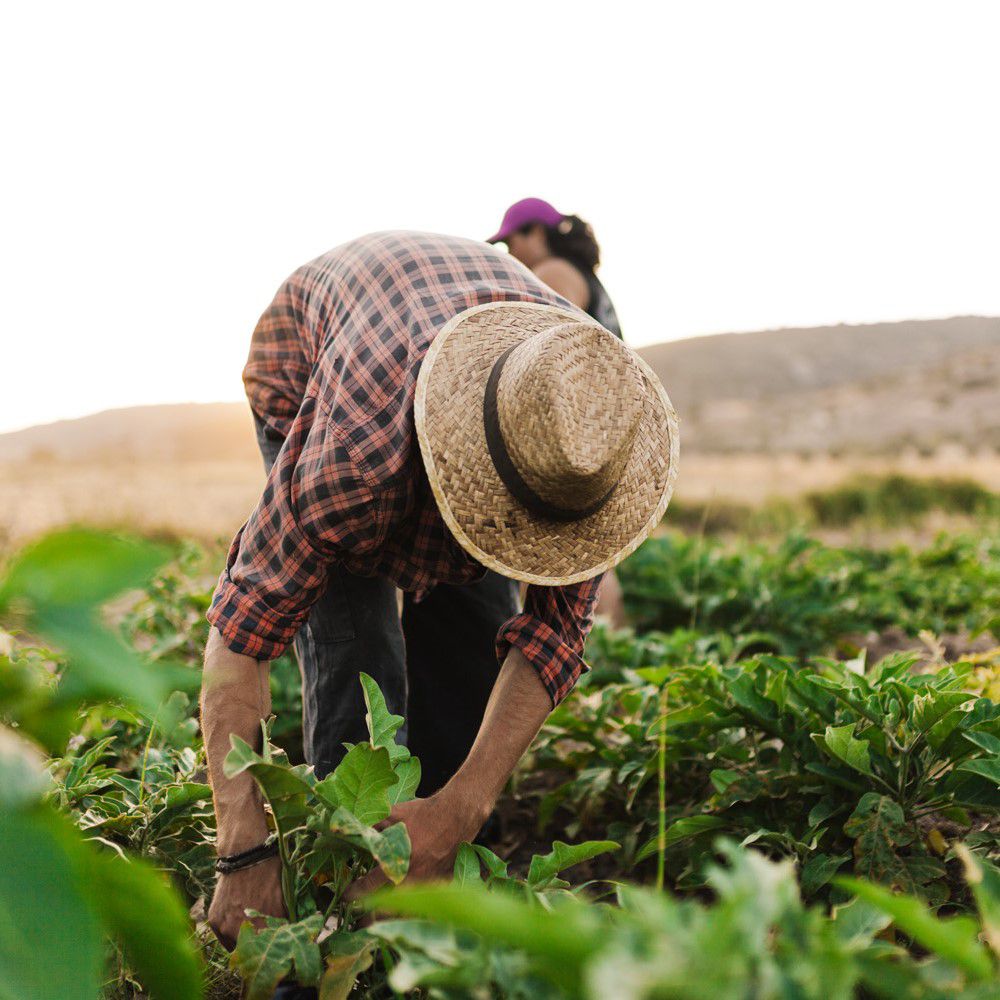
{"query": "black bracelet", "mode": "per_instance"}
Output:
(247, 859)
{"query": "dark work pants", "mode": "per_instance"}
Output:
(435, 664)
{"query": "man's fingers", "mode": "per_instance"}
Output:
(363, 886)
(227, 940)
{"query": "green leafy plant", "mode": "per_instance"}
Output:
(53, 880)
(830, 763)
(800, 597)
(167, 620)
(327, 838)
(869, 790)
(756, 939)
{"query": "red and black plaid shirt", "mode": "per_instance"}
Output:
(332, 371)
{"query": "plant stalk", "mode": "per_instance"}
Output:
(661, 769)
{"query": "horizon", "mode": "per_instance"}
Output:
(241, 399)
(737, 177)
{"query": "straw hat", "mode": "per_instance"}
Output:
(551, 448)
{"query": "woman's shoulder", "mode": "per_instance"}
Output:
(565, 279)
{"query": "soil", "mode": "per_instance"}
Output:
(515, 835)
(935, 650)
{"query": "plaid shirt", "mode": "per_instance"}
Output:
(332, 372)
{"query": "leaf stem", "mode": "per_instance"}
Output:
(661, 768)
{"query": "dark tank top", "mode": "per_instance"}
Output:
(599, 305)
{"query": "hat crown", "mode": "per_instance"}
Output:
(570, 401)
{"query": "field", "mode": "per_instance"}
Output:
(781, 781)
(206, 499)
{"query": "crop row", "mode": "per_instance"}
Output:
(738, 802)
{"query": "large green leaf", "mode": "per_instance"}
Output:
(62, 581)
(140, 908)
(930, 708)
(879, 830)
(545, 867)
(683, 829)
(495, 866)
(984, 880)
(50, 935)
(819, 869)
(970, 789)
(857, 922)
(390, 847)
(361, 783)
(407, 770)
(985, 767)
(286, 789)
(681, 717)
(467, 868)
(344, 963)
(988, 742)
(562, 941)
(944, 729)
(99, 666)
(80, 568)
(382, 724)
(841, 742)
(23, 780)
(431, 955)
(955, 939)
(266, 956)
(744, 692)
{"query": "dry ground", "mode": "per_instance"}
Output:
(209, 500)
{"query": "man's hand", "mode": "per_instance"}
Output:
(437, 827)
(256, 888)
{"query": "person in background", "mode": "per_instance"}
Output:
(561, 250)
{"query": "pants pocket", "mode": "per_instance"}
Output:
(331, 619)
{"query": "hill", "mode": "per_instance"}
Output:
(862, 389)
(167, 433)
(872, 389)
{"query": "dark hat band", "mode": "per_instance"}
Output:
(504, 464)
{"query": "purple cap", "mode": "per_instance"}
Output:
(525, 213)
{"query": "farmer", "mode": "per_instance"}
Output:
(563, 251)
(434, 419)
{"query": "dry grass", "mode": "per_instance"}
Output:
(203, 500)
(753, 479)
(209, 500)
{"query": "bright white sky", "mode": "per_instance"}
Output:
(745, 165)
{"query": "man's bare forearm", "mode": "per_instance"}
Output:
(235, 696)
(518, 706)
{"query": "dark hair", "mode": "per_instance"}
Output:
(573, 240)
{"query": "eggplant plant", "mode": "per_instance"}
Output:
(756, 939)
(839, 765)
(67, 902)
(327, 837)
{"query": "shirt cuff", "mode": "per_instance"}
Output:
(247, 625)
(558, 666)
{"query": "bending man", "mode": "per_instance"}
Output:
(436, 419)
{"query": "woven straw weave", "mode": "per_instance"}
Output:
(578, 416)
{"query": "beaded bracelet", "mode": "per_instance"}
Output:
(247, 859)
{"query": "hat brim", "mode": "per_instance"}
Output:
(478, 509)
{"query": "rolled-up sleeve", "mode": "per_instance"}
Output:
(317, 506)
(551, 632)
